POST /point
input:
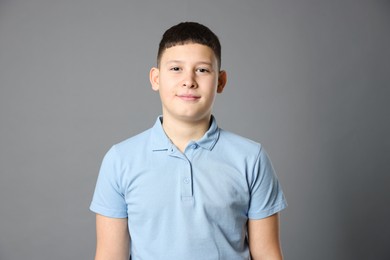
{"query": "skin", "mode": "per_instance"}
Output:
(113, 238)
(187, 80)
(263, 236)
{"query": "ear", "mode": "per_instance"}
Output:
(154, 78)
(222, 79)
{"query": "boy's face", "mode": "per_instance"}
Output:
(188, 80)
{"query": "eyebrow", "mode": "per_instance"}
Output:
(180, 61)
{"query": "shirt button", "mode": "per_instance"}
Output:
(194, 146)
(186, 180)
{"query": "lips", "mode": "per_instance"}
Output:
(188, 97)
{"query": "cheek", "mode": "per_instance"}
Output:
(211, 93)
(166, 92)
(168, 83)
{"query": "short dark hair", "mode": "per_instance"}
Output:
(189, 32)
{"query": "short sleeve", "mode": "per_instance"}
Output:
(266, 194)
(108, 199)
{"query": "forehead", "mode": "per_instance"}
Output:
(190, 52)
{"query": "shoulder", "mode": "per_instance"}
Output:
(238, 143)
(132, 144)
(125, 155)
(127, 151)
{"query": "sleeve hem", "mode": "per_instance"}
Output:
(106, 212)
(268, 212)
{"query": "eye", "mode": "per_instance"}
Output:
(203, 70)
(175, 69)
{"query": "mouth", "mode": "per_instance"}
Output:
(188, 97)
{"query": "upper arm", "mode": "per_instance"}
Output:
(263, 236)
(113, 239)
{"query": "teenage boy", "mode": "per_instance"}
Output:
(186, 189)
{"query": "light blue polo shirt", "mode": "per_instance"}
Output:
(191, 205)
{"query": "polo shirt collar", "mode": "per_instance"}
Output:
(161, 142)
(210, 138)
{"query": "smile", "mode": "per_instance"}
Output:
(188, 97)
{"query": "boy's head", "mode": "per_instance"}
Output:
(188, 74)
(189, 32)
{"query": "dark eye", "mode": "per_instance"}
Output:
(175, 69)
(202, 70)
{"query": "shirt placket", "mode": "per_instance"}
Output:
(186, 180)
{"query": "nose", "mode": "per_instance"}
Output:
(189, 80)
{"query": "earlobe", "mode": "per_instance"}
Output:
(154, 78)
(222, 79)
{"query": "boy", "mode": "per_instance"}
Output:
(186, 189)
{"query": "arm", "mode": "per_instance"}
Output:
(263, 236)
(113, 238)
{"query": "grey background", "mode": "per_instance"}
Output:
(308, 79)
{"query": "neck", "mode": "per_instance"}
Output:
(182, 132)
